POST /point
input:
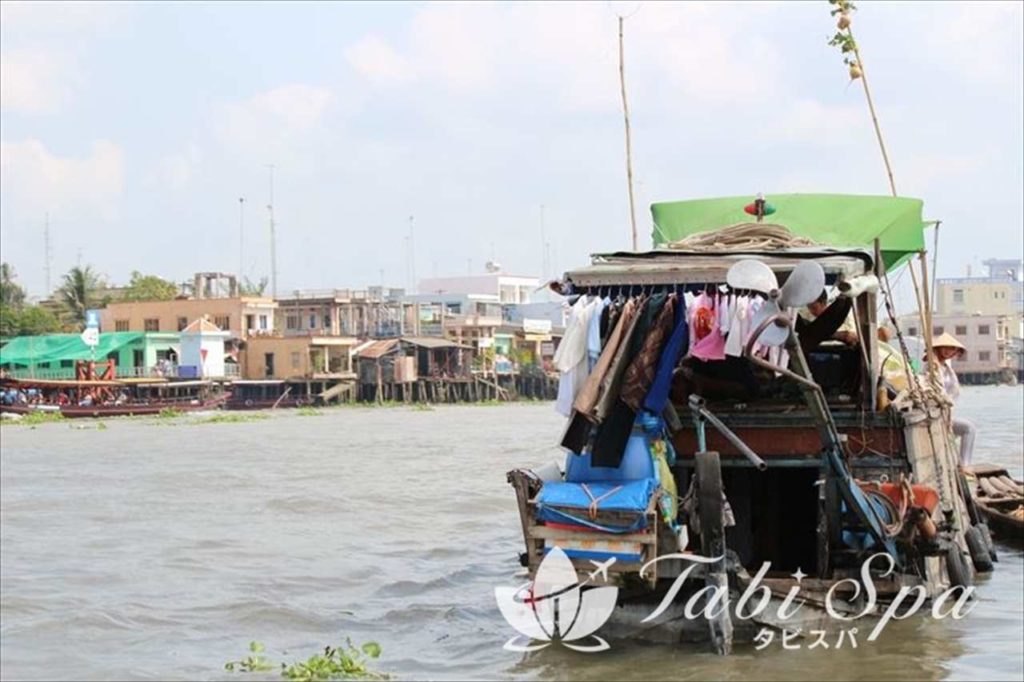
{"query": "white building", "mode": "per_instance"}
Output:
(507, 288)
(202, 348)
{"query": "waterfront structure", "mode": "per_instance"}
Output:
(987, 338)
(215, 297)
(1000, 293)
(986, 313)
(53, 356)
(298, 358)
(374, 312)
(417, 369)
(507, 288)
(202, 350)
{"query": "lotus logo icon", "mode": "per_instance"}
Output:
(556, 608)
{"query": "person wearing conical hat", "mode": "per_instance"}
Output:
(946, 348)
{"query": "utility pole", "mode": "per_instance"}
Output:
(241, 237)
(46, 251)
(543, 246)
(412, 255)
(273, 240)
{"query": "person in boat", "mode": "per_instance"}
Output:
(945, 349)
(88, 400)
(822, 321)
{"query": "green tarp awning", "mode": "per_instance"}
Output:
(32, 350)
(831, 219)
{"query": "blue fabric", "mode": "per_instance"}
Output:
(636, 464)
(677, 346)
(599, 556)
(631, 495)
(579, 517)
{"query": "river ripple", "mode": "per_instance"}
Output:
(157, 550)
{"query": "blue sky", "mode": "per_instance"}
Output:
(139, 126)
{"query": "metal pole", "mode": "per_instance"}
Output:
(273, 240)
(241, 236)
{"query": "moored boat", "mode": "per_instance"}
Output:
(1001, 499)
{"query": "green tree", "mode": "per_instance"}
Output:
(12, 299)
(78, 293)
(250, 288)
(149, 288)
(35, 319)
(11, 293)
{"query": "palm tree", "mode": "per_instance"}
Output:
(78, 292)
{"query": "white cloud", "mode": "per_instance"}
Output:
(377, 61)
(273, 123)
(175, 171)
(811, 121)
(980, 40)
(703, 52)
(35, 179)
(35, 81)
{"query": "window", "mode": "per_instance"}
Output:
(152, 324)
(182, 323)
(312, 321)
(984, 330)
(222, 321)
(327, 320)
(984, 356)
(958, 295)
(120, 325)
(295, 359)
(912, 331)
(263, 325)
(250, 321)
(67, 363)
(938, 330)
(961, 330)
(292, 322)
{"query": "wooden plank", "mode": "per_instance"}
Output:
(555, 534)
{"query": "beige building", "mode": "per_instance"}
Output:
(376, 312)
(1000, 293)
(242, 316)
(318, 358)
(988, 339)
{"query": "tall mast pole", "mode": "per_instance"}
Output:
(241, 237)
(412, 254)
(273, 239)
(629, 143)
(46, 251)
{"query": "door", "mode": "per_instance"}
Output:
(138, 358)
(268, 362)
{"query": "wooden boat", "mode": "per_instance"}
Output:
(817, 470)
(1001, 500)
(134, 398)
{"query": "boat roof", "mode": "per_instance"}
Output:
(678, 266)
(172, 384)
(837, 220)
(61, 383)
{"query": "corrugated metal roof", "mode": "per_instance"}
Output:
(376, 349)
(432, 342)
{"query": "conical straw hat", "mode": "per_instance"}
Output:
(949, 341)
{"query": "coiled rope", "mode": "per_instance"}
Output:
(741, 237)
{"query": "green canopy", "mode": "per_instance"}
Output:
(33, 350)
(832, 219)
